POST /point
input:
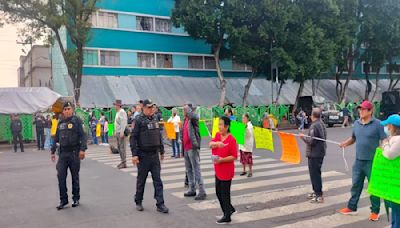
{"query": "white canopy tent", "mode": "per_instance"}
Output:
(26, 100)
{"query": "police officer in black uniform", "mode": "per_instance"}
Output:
(147, 150)
(72, 141)
(16, 129)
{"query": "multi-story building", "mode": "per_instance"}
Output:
(35, 68)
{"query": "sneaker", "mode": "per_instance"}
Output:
(201, 197)
(220, 216)
(122, 166)
(139, 207)
(189, 194)
(243, 173)
(224, 220)
(317, 199)
(250, 175)
(374, 217)
(348, 211)
(311, 195)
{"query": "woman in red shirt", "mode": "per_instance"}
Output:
(224, 153)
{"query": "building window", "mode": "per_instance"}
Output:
(109, 58)
(144, 23)
(163, 25)
(164, 61)
(239, 66)
(90, 57)
(146, 60)
(195, 62)
(107, 20)
(210, 63)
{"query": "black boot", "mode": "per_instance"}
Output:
(62, 205)
(163, 209)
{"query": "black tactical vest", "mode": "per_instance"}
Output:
(150, 136)
(68, 132)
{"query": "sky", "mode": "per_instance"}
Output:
(9, 56)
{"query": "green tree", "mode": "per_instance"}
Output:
(210, 20)
(259, 28)
(46, 19)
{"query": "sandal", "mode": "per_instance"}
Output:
(243, 173)
(250, 175)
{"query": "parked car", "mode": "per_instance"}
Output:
(390, 104)
(331, 115)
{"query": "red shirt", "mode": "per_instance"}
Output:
(187, 143)
(225, 171)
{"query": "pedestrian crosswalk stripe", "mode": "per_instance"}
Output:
(182, 167)
(266, 196)
(290, 209)
(265, 183)
(262, 174)
(331, 221)
(212, 172)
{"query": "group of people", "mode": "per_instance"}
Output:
(45, 131)
(368, 134)
(103, 123)
(148, 150)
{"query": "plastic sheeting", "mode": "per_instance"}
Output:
(102, 91)
(26, 100)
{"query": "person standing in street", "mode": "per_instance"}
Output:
(47, 127)
(53, 130)
(316, 151)
(120, 125)
(147, 151)
(106, 130)
(391, 151)
(246, 150)
(72, 140)
(40, 124)
(16, 130)
(191, 145)
(224, 153)
(93, 128)
(101, 121)
(367, 134)
(346, 117)
(176, 120)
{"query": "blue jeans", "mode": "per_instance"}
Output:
(175, 146)
(362, 169)
(94, 138)
(105, 137)
(193, 171)
(47, 143)
(395, 215)
(302, 122)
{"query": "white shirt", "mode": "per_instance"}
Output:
(176, 120)
(121, 120)
(106, 126)
(248, 140)
(391, 150)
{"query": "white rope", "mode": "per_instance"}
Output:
(346, 166)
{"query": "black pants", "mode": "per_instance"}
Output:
(40, 138)
(223, 190)
(314, 167)
(17, 138)
(149, 162)
(68, 159)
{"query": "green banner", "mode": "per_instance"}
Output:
(385, 178)
(238, 131)
(110, 130)
(203, 129)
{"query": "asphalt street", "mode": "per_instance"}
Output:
(274, 197)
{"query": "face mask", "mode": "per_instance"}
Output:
(387, 132)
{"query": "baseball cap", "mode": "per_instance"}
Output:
(67, 104)
(393, 119)
(366, 105)
(148, 103)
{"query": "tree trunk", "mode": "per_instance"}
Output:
(279, 92)
(299, 92)
(376, 85)
(222, 81)
(348, 79)
(247, 88)
(313, 86)
(339, 85)
(78, 78)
